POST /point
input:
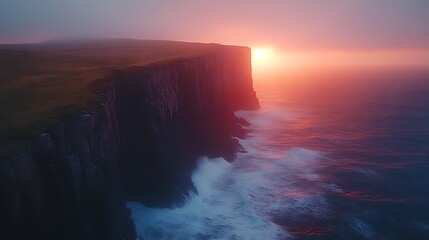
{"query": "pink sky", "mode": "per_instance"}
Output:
(304, 31)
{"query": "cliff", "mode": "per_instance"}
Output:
(139, 142)
(66, 185)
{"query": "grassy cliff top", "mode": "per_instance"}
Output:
(42, 83)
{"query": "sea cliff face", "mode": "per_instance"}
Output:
(169, 116)
(140, 144)
(67, 185)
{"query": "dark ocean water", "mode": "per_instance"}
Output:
(326, 158)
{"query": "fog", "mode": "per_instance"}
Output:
(297, 25)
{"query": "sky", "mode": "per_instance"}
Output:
(290, 25)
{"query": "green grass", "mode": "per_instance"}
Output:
(41, 84)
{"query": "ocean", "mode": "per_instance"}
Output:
(328, 155)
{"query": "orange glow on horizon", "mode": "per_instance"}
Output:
(266, 62)
(273, 67)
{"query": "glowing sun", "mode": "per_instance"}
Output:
(261, 56)
(260, 53)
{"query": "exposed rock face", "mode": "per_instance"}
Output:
(142, 143)
(169, 116)
(67, 185)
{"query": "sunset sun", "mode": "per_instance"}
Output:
(263, 59)
(261, 56)
(260, 53)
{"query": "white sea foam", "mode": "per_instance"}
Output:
(221, 210)
(241, 200)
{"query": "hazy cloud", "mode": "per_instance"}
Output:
(291, 24)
